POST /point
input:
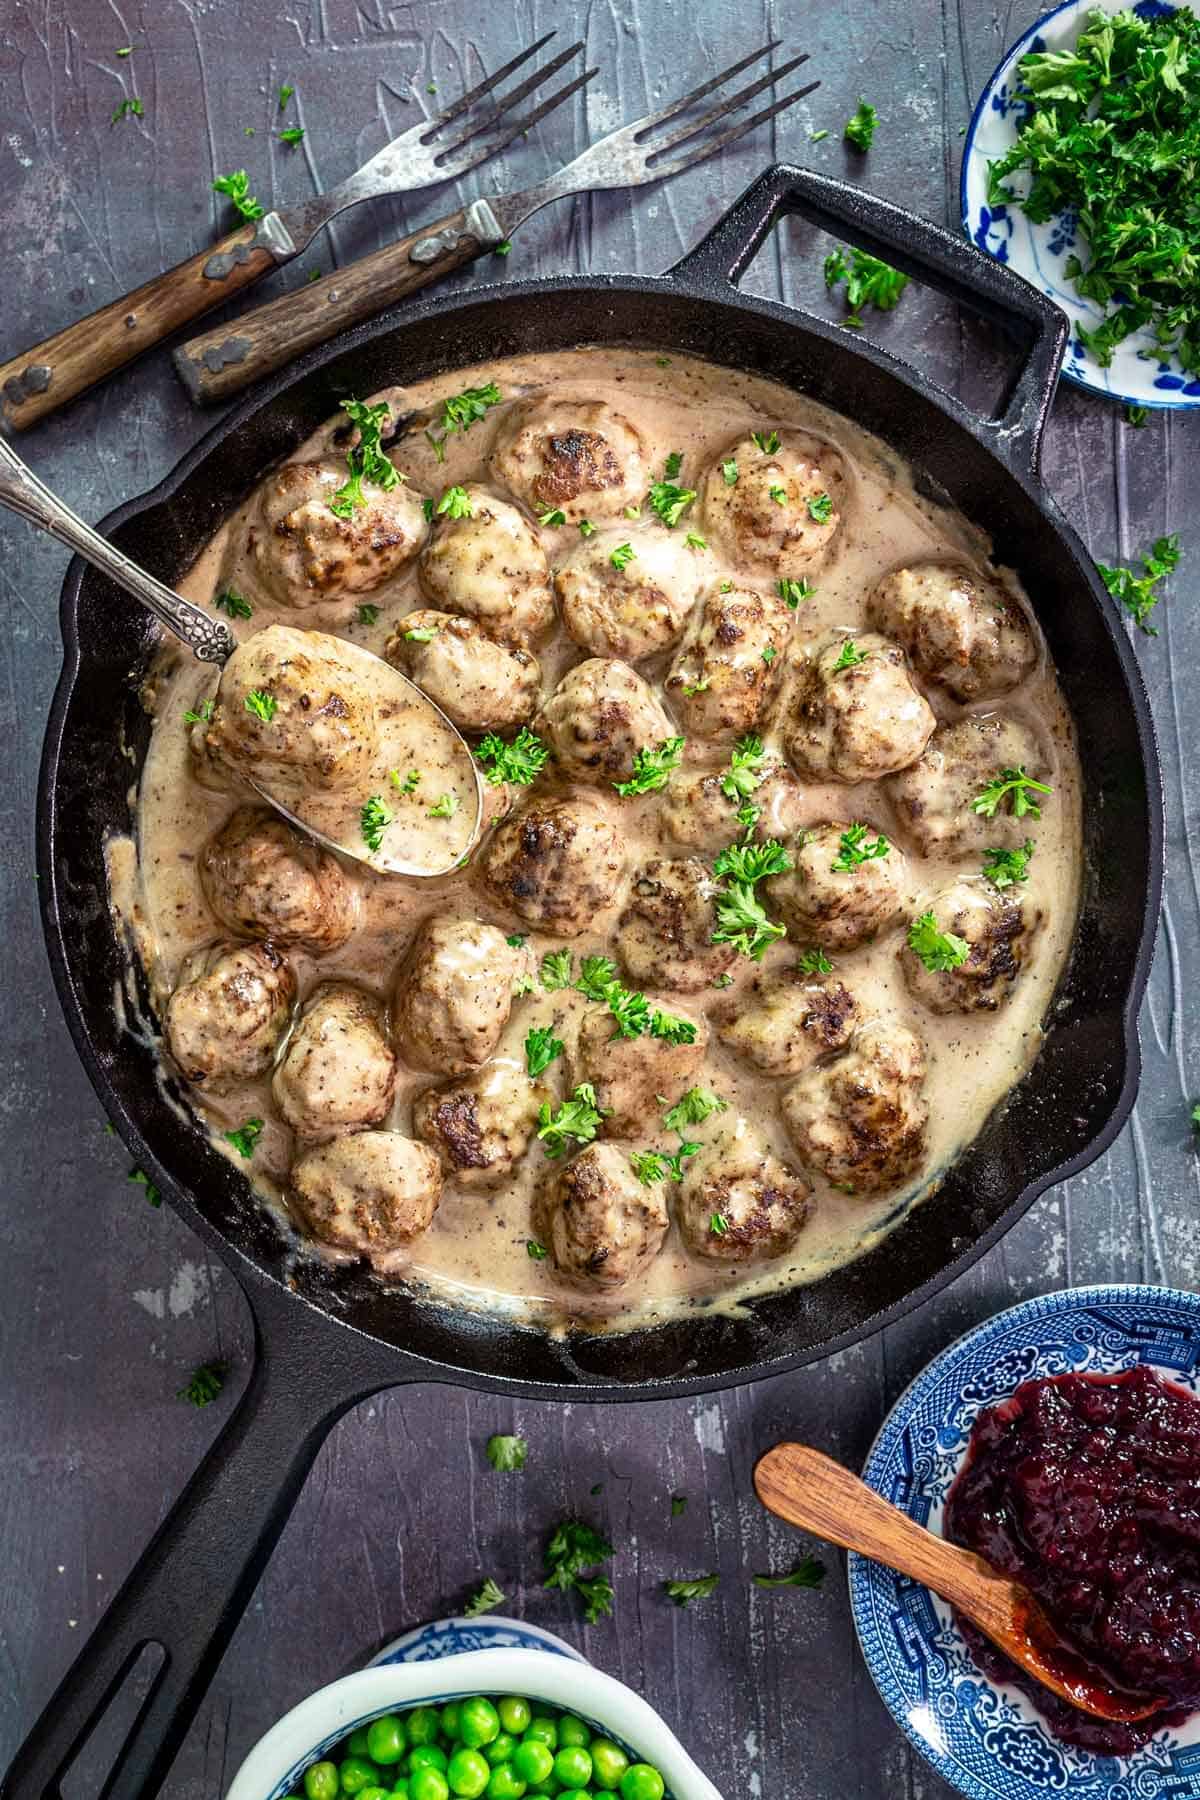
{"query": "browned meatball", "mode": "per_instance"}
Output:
(454, 994)
(555, 865)
(785, 1022)
(776, 505)
(860, 1121)
(305, 552)
(229, 1010)
(293, 711)
(490, 565)
(573, 456)
(995, 927)
(934, 799)
(601, 1225)
(628, 1074)
(635, 607)
(371, 1193)
(664, 936)
(737, 1203)
(479, 684)
(263, 879)
(480, 1126)
(839, 907)
(857, 715)
(723, 677)
(961, 628)
(697, 813)
(338, 1071)
(598, 717)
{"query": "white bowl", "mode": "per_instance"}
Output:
(276, 1764)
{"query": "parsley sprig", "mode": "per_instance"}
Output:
(684, 1592)
(520, 762)
(868, 282)
(1004, 867)
(460, 412)
(652, 769)
(940, 951)
(854, 847)
(1015, 786)
(1137, 592)
(236, 188)
(577, 1118)
(366, 460)
(859, 128)
(573, 1549)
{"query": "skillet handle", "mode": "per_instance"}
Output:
(195, 1578)
(929, 253)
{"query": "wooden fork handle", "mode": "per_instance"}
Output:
(222, 362)
(41, 380)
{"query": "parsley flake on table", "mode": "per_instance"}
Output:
(572, 1550)
(507, 1454)
(133, 108)
(809, 1573)
(652, 769)
(820, 508)
(245, 1137)
(552, 515)
(204, 1384)
(693, 1108)
(556, 970)
(670, 502)
(855, 848)
(1004, 867)
(503, 248)
(743, 774)
(125, 50)
(622, 556)
(815, 962)
(140, 1177)
(365, 460)
(794, 591)
(461, 411)
(940, 951)
(236, 188)
(849, 657)
(753, 862)
(373, 821)
(285, 94)
(485, 1599)
(678, 1505)
(859, 128)
(576, 1118)
(519, 762)
(293, 135)
(541, 1048)
(261, 704)
(1015, 786)
(868, 282)
(684, 1592)
(1137, 592)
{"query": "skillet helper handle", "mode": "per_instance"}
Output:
(221, 363)
(929, 253)
(36, 383)
(193, 1582)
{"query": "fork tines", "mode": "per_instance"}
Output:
(690, 128)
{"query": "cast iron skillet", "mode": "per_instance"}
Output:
(327, 1338)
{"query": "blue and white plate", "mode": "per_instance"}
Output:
(987, 1740)
(457, 1637)
(1040, 252)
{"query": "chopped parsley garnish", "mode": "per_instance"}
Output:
(245, 1137)
(723, 981)
(541, 1048)
(869, 282)
(794, 591)
(855, 848)
(586, 528)
(503, 248)
(293, 135)
(670, 502)
(859, 128)
(261, 704)
(573, 1549)
(817, 137)
(684, 1592)
(507, 1454)
(778, 495)
(820, 508)
(367, 614)
(153, 1196)
(285, 94)
(552, 515)
(202, 715)
(670, 1029)
(556, 970)
(519, 762)
(237, 189)
(535, 1251)
(695, 687)
(729, 470)
(742, 921)
(815, 962)
(234, 604)
(940, 951)
(648, 1165)
(365, 460)
(576, 1118)
(809, 1573)
(652, 769)
(485, 1599)
(631, 1011)
(125, 50)
(694, 541)
(461, 411)
(633, 512)
(455, 503)
(517, 939)
(622, 556)
(769, 654)
(1136, 592)
(1004, 867)
(1137, 416)
(444, 807)
(673, 464)
(133, 108)
(766, 441)
(743, 774)
(693, 1108)
(427, 508)
(373, 821)
(410, 782)
(725, 587)
(1015, 786)
(421, 634)
(718, 1224)
(596, 976)
(678, 1505)
(204, 1384)
(849, 657)
(753, 862)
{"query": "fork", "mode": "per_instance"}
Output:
(222, 362)
(39, 381)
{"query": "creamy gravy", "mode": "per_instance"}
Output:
(475, 1250)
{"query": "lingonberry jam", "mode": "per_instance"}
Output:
(1087, 1489)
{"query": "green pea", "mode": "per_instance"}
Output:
(387, 1739)
(428, 1784)
(356, 1743)
(400, 1788)
(468, 1774)
(356, 1773)
(373, 1793)
(321, 1781)
(449, 1720)
(576, 1794)
(427, 1756)
(533, 1759)
(573, 1731)
(515, 1713)
(573, 1765)
(478, 1723)
(505, 1784)
(500, 1749)
(641, 1782)
(422, 1725)
(609, 1763)
(543, 1731)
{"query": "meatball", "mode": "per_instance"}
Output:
(601, 1225)
(839, 908)
(857, 715)
(782, 511)
(294, 712)
(263, 879)
(961, 629)
(785, 1022)
(370, 1193)
(229, 1010)
(479, 1127)
(479, 684)
(664, 935)
(577, 457)
(598, 717)
(933, 799)
(632, 611)
(490, 565)
(555, 865)
(996, 927)
(724, 675)
(306, 553)
(454, 994)
(697, 812)
(338, 1071)
(737, 1203)
(860, 1121)
(628, 1074)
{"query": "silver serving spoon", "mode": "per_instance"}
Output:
(410, 838)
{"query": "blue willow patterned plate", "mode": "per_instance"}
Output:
(989, 1741)
(1137, 373)
(454, 1637)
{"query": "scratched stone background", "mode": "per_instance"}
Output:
(109, 1304)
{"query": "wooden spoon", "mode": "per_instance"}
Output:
(810, 1490)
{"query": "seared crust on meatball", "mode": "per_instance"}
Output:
(479, 1126)
(598, 717)
(961, 628)
(861, 720)
(997, 926)
(860, 1121)
(764, 519)
(370, 1193)
(723, 677)
(306, 553)
(293, 711)
(479, 684)
(635, 610)
(556, 864)
(785, 1022)
(933, 799)
(229, 1010)
(628, 1074)
(739, 1204)
(490, 565)
(698, 813)
(263, 879)
(598, 1221)
(838, 908)
(574, 456)
(338, 1072)
(664, 935)
(454, 994)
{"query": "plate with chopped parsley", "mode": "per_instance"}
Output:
(1078, 172)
